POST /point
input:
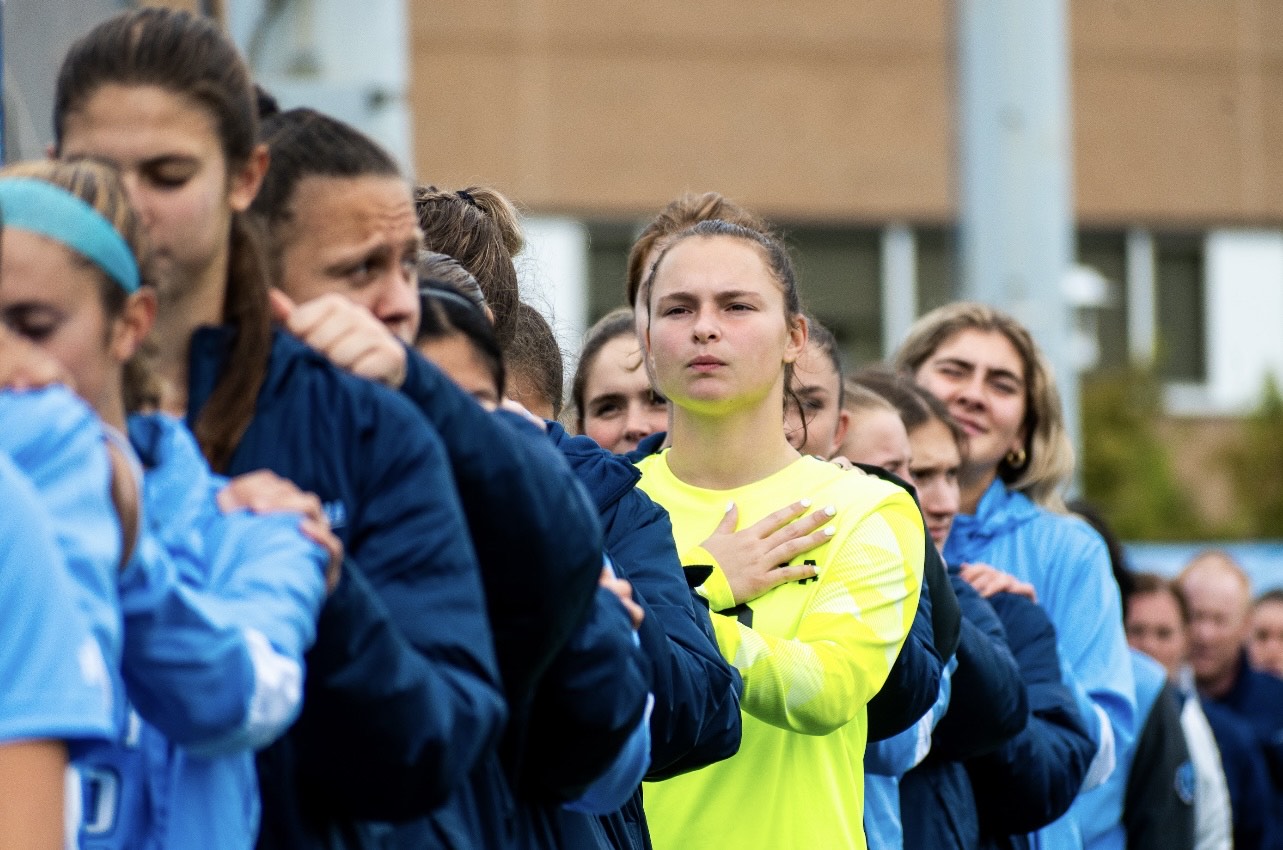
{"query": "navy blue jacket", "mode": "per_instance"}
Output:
(575, 680)
(402, 695)
(696, 720)
(1257, 698)
(987, 707)
(1032, 779)
(1246, 777)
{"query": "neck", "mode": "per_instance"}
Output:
(722, 452)
(186, 309)
(111, 410)
(973, 484)
(1219, 685)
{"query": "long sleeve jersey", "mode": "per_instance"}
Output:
(811, 654)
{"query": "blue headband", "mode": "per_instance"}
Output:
(46, 209)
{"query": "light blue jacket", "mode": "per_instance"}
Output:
(1067, 563)
(52, 669)
(886, 761)
(218, 611)
(57, 443)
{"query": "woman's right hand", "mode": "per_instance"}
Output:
(989, 580)
(755, 559)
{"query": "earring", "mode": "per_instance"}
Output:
(1016, 458)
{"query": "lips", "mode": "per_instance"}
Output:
(971, 426)
(705, 363)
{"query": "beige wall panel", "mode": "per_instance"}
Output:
(836, 110)
(827, 141)
(1134, 29)
(832, 110)
(1156, 144)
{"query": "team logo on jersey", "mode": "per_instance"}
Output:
(1186, 782)
(809, 563)
(335, 514)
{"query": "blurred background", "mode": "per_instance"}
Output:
(1111, 171)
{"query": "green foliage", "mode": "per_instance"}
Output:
(1255, 466)
(1127, 470)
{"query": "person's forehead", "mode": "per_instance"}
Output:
(354, 204)
(988, 348)
(131, 123)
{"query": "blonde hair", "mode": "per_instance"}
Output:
(98, 185)
(1049, 457)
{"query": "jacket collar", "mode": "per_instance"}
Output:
(1000, 511)
(606, 476)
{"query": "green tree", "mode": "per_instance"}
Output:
(1126, 468)
(1255, 466)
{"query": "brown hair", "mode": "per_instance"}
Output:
(1145, 584)
(1049, 455)
(99, 185)
(481, 229)
(306, 143)
(680, 214)
(534, 355)
(189, 56)
(446, 269)
(610, 327)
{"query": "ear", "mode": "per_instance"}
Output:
(134, 324)
(798, 334)
(243, 185)
(844, 424)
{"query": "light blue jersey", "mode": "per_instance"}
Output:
(57, 443)
(1067, 563)
(218, 611)
(885, 762)
(53, 681)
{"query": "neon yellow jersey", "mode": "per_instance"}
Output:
(812, 655)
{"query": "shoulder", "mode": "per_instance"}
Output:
(851, 491)
(45, 419)
(299, 376)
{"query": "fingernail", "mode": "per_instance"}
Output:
(831, 511)
(829, 531)
(806, 503)
(730, 505)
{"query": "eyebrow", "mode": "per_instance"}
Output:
(597, 399)
(970, 366)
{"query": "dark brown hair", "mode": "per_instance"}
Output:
(446, 312)
(613, 325)
(306, 143)
(533, 354)
(1145, 584)
(680, 214)
(481, 229)
(190, 57)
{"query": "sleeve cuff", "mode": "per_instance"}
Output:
(716, 589)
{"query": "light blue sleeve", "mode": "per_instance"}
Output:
(219, 610)
(55, 682)
(57, 443)
(897, 755)
(1096, 663)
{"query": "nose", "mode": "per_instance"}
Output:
(138, 198)
(705, 327)
(398, 305)
(637, 424)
